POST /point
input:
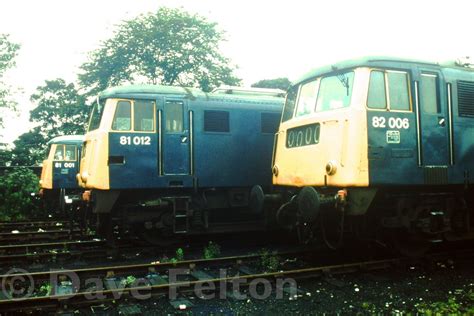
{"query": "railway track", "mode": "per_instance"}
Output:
(91, 247)
(41, 235)
(27, 253)
(34, 226)
(70, 288)
(153, 272)
(85, 250)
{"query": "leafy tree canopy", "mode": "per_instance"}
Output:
(169, 47)
(60, 111)
(278, 83)
(15, 193)
(8, 52)
(29, 149)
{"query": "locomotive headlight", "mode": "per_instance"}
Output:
(84, 176)
(275, 170)
(331, 167)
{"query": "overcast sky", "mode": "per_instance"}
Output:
(265, 39)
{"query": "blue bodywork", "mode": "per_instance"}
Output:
(64, 176)
(64, 172)
(436, 148)
(195, 158)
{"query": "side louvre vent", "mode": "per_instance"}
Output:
(270, 122)
(216, 121)
(435, 175)
(466, 98)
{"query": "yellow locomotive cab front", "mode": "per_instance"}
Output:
(322, 140)
(46, 180)
(94, 171)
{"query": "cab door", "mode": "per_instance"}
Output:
(434, 121)
(175, 138)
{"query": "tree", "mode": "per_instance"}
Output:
(8, 52)
(170, 47)
(16, 187)
(60, 110)
(278, 83)
(29, 149)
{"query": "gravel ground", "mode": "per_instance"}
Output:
(443, 287)
(447, 288)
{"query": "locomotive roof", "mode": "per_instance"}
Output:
(121, 91)
(67, 139)
(377, 61)
(131, 91)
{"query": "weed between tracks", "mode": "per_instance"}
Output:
(179, 256)
(45, 289)
(212, 250)
(269, 261)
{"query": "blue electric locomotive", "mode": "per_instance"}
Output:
(58, 174)
(171, 160)
(378, 146)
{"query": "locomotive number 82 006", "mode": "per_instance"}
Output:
(393, 122)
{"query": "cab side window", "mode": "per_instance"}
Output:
(143, 116)
(398, 91)
(123, 117)
(389, 90)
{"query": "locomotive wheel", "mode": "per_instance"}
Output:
(286, 214)
(308, 204)
(257, 198)
(332, 227)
